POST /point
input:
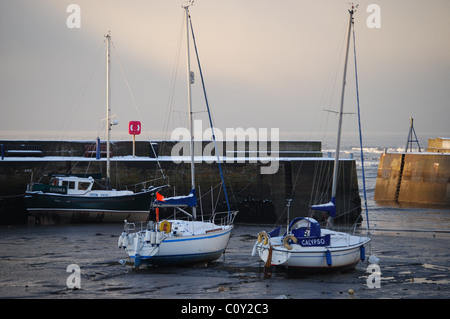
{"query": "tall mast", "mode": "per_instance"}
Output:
(191, 123)
(338, 143)
(108, 109)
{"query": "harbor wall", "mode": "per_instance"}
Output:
(439, 145)
(24, 148)
(422, 178)
(260, 198)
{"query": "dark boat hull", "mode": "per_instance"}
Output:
(59, 208)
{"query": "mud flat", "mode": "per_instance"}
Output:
(34, 260)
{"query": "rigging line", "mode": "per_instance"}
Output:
(295, 181)
(323, 175)
(360, 133)
(87, 168)
(331, 80)
(134, 103)
(246, 186)
(218, 197)
(338, 61)
(170, 102)
(290, 196)
(281, 215)
(76, 102)
(208, 192)
(316, 182)
(329, 89)
(174, 80)
(127, 83)
(210, 119)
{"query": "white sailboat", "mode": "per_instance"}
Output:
(306, 246)
(176, 241)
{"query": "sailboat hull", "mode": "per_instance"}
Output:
(49, 207)
(179, 250)
(345, 252)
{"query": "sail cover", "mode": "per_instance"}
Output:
(329, 207)
(176, 201)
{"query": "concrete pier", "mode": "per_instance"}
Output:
(421, 177)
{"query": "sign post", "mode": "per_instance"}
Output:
(134, 128)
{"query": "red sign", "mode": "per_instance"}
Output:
(134, 127)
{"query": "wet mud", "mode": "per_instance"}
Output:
(34, 264)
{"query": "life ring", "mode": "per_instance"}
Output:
(285, 241)
(165, 226)
(263, 238)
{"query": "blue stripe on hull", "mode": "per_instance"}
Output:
(171, 240)
(179, 259)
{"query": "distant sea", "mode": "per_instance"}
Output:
(370, 139)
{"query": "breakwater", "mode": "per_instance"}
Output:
(414, 178)
(302, 174)
(420, 177)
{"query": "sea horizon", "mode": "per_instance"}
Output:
(370, 139)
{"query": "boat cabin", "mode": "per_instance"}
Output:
(73, 184)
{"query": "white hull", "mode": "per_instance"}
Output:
(197, 242)
(344, 252)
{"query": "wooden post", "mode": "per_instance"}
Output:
(268, 265)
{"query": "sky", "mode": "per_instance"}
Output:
(267, 64)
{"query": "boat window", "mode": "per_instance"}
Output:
(70, 185)
(83, 186)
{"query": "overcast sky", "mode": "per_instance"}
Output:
(267, 64)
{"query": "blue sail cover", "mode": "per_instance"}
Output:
(329, 207)
(312, 225)
(176, 201)
(308, 233)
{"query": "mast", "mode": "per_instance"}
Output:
(211, 125)
(338, 143)
(190, 80)
(108, 109)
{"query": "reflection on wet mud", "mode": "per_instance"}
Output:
(34, 262)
